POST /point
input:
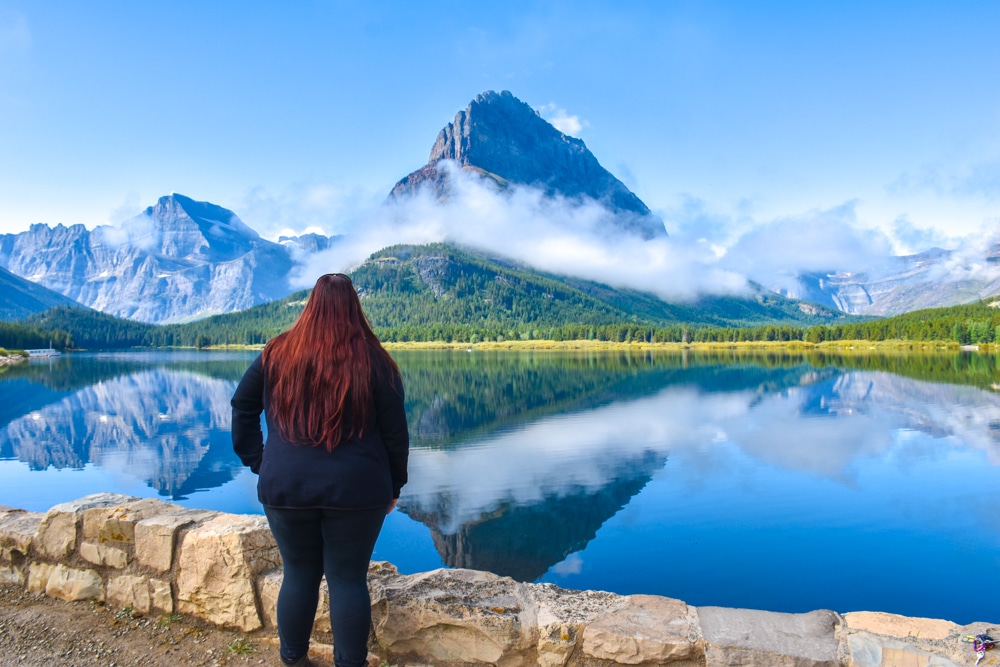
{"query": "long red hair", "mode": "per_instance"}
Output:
(319, 372)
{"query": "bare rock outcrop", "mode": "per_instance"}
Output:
(505, 141)
(179, 259)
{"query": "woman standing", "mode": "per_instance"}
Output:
(334, 463)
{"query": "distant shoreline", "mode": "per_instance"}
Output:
(795, 346)
(843, 346)
(547, 345)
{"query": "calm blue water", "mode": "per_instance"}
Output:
(783, 483)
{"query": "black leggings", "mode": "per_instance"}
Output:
(338, 543)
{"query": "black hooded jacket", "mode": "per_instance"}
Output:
(360, 473)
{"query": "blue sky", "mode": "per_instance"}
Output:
(720, 115)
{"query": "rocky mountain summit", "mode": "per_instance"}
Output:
(508, 143)
(180, 259)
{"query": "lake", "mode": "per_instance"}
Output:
(780, 481)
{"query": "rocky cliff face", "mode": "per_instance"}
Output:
(20, 298)
(931, 279)
(178, 260)
(504, 140)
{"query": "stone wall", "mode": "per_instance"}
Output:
(161, 558)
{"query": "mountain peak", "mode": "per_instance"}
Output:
(177, 260)
(503, 138)
(211, 219)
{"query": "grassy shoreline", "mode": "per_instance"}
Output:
(543, 345)
(795, 346)
(856, 346)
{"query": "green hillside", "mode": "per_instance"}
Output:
(408, 290)
(442, 293)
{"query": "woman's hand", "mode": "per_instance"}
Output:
(392, 505)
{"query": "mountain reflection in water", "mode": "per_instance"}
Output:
(524, 539)
(170, 428)
(533, 465)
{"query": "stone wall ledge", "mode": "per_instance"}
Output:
(155, 557)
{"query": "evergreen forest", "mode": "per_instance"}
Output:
(442, 293)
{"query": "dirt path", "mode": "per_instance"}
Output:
(38, 631)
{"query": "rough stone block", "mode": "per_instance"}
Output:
(647, 630)
(12, 575)
(143, 595)
(161, 595)
(454, 616)
(218, 563)
(556, 644)
(17, 534)
(268, 585)
(38, 576)
(56, 536)
(72, 584)
(132, 591)
(102, 554)
(156, 536)
(892, 625)
(562, 616)
(879, 639)
(117, 523)
(749, 637)
(867, 650)
(57, 533)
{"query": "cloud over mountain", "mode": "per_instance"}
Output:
(502, 138)
(776, 252)
(551, 233)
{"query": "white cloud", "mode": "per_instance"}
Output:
(303, 208)
(908, 239)
(823, 241)
(128, 209)
(708, 251)
(693, 221)
(968, 262)
(562, 121)
(288, 231)
(139, 232)
(554, 234)
(572, 564)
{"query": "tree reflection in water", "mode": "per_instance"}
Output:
(520, 458)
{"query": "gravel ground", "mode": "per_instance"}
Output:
(36, 630)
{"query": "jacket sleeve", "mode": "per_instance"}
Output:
(248, 403)
(391, 418)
